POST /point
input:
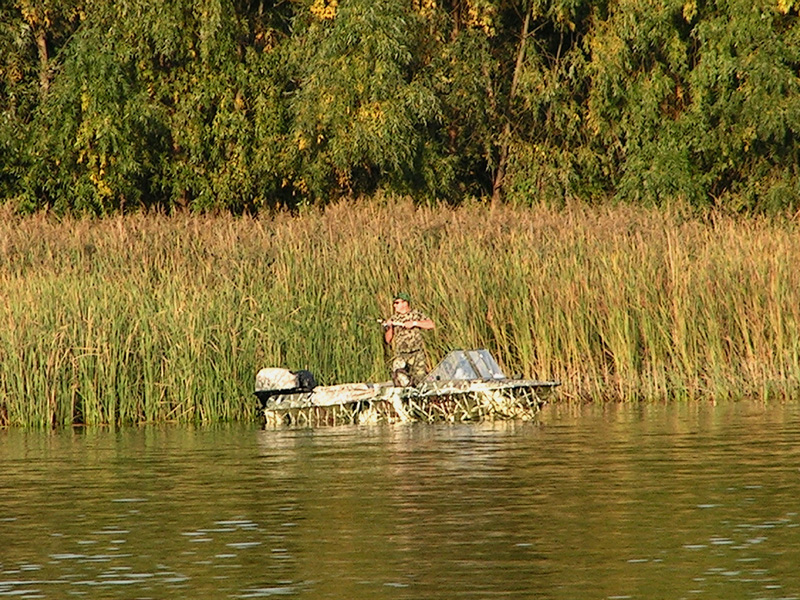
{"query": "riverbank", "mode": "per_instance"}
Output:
(148, 318)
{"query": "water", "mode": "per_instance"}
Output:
(653, 501)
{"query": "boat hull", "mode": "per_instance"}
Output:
(455, 401)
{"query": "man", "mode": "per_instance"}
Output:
(404, 331)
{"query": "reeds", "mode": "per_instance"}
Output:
(151, 318)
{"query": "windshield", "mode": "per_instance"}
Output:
(466, 364)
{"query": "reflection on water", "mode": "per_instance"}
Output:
(647, 501)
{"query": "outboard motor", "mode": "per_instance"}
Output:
(305, 381)
(273, 382)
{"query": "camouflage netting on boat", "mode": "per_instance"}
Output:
(453, 402)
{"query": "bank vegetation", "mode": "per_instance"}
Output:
(150, 318)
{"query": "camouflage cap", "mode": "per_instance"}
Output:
(402, 296)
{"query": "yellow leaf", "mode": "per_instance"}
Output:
(690, 10)
(324, 9)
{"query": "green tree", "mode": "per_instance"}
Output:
(656, 100)
(743, 117)
(361, 108)
(639, 64)
(550, 152)
(466, 59)
(168, 104)
(32, 36)
(248, 104)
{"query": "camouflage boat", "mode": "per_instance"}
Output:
(468, 385)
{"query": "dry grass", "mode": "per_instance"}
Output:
(153, 318)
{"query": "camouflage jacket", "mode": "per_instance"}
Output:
(408, 340)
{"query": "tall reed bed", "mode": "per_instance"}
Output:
(150, 318)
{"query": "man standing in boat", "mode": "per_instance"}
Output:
(403, 331)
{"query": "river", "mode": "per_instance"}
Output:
(677, 500)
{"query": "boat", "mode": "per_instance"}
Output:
(467, 385)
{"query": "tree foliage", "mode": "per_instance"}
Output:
(243, 105)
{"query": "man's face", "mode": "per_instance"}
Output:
(401, 306)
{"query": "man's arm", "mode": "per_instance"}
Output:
(425, 323)
(421, 321)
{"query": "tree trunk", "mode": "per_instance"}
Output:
(35, 15)
(499, 175)
(44, 61)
